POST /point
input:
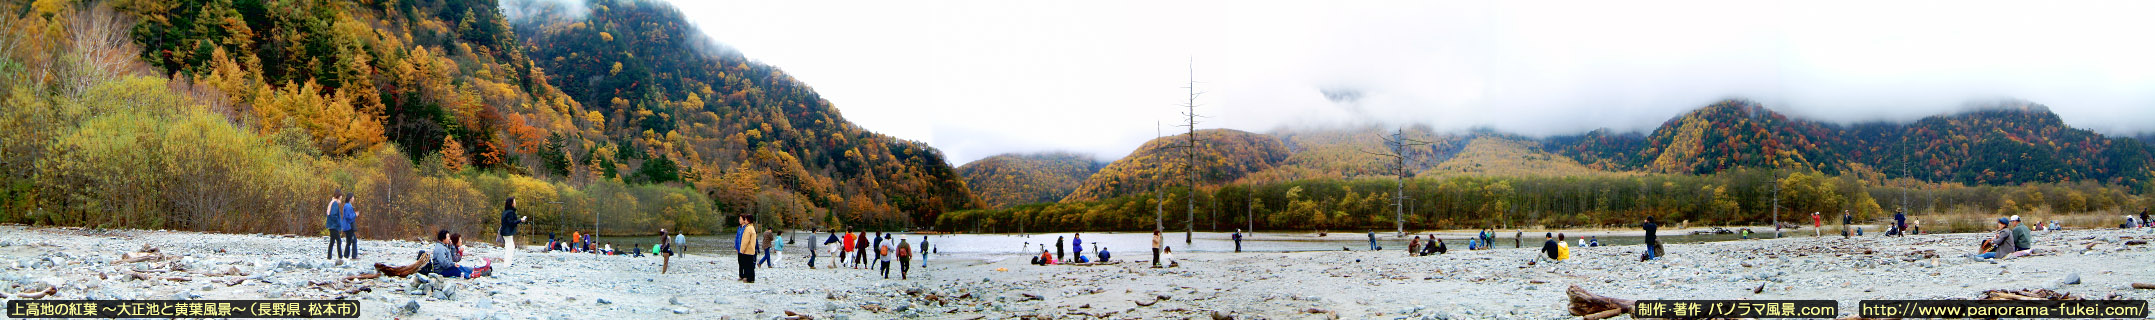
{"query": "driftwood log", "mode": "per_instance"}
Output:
(407, 270)
(2143, 285)
(145, 276)
(133, 257)
(2028, 294)
(37, 294)
(1597, 307)
(363, 276)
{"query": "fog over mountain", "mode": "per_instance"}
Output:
(981, 78)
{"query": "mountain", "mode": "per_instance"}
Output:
(1354, 152)
(1735, 133)
(1006, 180)
(2006, 144)
(1508, 156)
(665, 92)
(1223, 155)
(2012, 144)
(1601, 149)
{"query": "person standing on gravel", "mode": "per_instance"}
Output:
(1816, 225)
(665, 252)
(1515, 239)
(859, 249)
(1077, 247)
(350, 223)
(1156, 248)
(1900, 222)
(905, 259)
(814, 245)
(883, 255)
(1238, 241)
(1846, 219)
(766, 245)
(509, 221)
(744, 246)
(330, 220)
(1059, 249)
(1372, 241)
(1653, 241)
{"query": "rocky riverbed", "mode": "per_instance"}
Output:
(1489, 284)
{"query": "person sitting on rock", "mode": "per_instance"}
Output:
(1999, 245)
(1549, 246)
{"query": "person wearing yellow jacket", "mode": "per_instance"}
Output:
(746, 247)
(1563, 249)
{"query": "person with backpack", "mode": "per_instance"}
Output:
(905, 259)
(882, 257)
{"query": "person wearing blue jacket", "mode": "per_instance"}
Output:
(330, 219)
(745, 247)
(350, 224)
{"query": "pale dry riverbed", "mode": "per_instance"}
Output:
(1490, 284)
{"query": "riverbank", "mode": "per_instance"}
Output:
(1488, 284)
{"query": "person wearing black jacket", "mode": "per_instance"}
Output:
(1653, 242)
(1548, 246)
(509, 220)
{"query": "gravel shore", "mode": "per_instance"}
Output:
(1488, 284)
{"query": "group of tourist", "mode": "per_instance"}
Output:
(1416, 248)
(1076, 254)
(872, 251)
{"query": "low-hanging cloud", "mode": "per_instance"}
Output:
(1012, 77)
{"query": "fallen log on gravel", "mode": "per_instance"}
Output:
(146, 276)
(1596, 307)
(49, 291)
(406, 270)
(133, 257)
(2028, 294)
(2143, 285)
(362, 276)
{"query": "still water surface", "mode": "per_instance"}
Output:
(1132, 244)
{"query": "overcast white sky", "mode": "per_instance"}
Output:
(978, 78)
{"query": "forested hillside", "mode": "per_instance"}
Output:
(1710, 166)
(1338, 153)
(1221, 155)
(2011, 143)
(1006, 180)
(1508, 156)
(244, 116)
(744, 132)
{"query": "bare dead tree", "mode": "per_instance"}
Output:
(99, 48)
(1397, 145)
(1189, 151)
